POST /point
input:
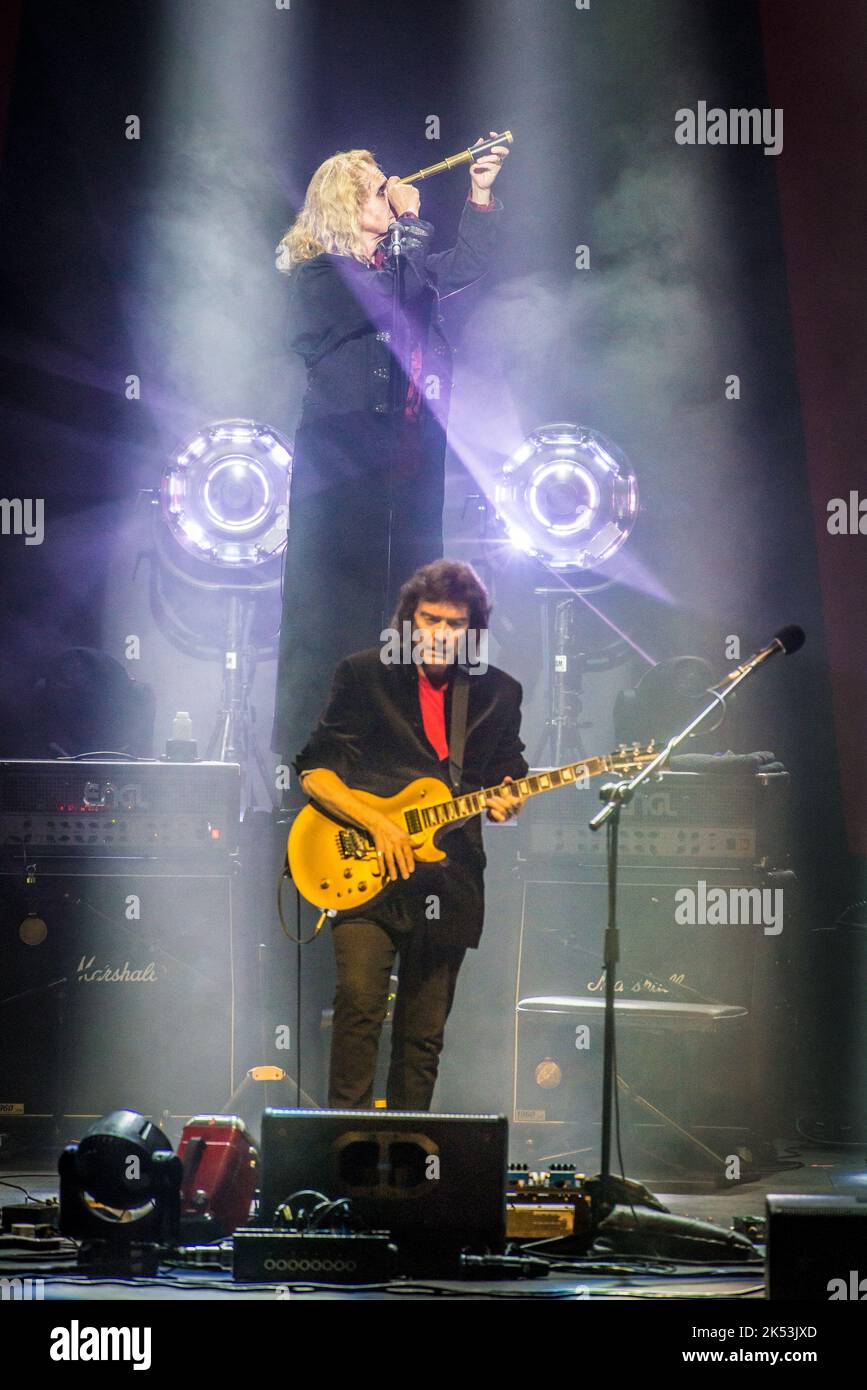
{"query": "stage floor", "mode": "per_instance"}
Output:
(609, 1277)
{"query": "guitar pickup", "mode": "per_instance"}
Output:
(352, 844)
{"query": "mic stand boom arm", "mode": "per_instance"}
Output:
(616, 795)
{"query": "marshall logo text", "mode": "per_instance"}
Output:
(89, 973)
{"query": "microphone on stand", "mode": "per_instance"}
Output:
(395, 235)
(788, 639)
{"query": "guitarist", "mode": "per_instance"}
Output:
(388, 721)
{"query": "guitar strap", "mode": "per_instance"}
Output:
(458, 730)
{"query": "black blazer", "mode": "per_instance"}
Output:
(340, 314)
(372, 735)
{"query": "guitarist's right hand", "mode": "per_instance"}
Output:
(393, 846)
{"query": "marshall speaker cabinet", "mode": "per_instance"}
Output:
(116, 941)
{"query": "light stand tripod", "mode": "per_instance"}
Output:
(233, 738)
(564, 672)
(566, 661)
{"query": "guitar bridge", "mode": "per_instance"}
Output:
(353, 844)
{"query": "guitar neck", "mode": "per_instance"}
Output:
(473, 803)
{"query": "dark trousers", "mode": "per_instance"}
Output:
(365, 953)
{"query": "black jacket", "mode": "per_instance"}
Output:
(340, 316)
(372, 735)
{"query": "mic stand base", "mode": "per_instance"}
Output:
(611, 1196)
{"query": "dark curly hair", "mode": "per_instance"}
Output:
(444, 581)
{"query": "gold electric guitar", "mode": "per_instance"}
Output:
(334, 865)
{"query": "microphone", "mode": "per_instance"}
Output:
(789, 639)
(395, 233)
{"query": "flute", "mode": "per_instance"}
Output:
(468, 156)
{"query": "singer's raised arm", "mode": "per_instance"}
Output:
(471, 255)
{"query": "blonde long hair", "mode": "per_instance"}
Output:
(329, 220)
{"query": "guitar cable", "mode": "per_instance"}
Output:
(295, 936)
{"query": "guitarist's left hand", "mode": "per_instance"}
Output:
(503, 808)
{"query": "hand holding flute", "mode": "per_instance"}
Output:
(485, 169)
(486, 157)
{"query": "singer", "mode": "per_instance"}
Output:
(366, 499)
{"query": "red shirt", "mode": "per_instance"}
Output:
(432, 699)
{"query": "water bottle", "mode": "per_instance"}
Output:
(182, 727)
(181, 747)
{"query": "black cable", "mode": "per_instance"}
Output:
(105, 753)
(284, 1207)
(287, 930)
(667, 1266)
(317, 1216)
(298, 997)
(824, 1142)
(243, 1290)
(4, 1182)
(619, 1139)
(52, 1174)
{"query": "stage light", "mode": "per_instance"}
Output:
(120, 1190)
(225, 496)
(568, 497)
(664, 700)
(219, 537)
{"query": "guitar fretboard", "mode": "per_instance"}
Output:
(472, 803)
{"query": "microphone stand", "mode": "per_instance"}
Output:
(616, 795)
(397, 394)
